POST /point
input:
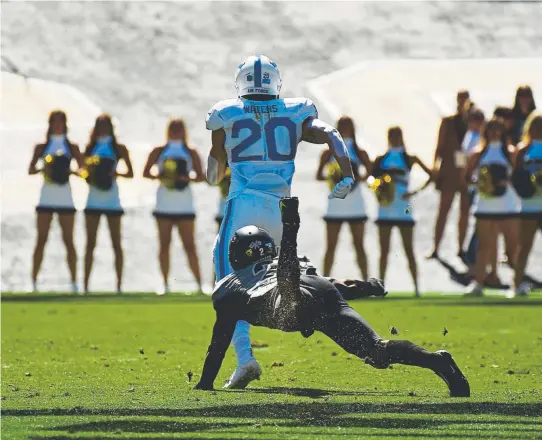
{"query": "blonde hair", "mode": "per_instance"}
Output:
(530, 123)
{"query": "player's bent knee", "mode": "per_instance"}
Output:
(378, 355)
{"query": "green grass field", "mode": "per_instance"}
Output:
(110, 367)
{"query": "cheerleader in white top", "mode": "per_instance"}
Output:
(389, 180)
(496, 206)
(101, 159)
(527, 180)
(56, 155)
(351, 209)
(177, 166)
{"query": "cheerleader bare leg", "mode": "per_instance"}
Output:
(43, 224)
(165, 226)
(66, 221)
(187, 232)
(114, 223)
(332, 236)
(92, 221)
(384, 234)
(358, 234)
(527, 232)
(487, 234)
(407, 233)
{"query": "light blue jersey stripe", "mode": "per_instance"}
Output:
(222, 244)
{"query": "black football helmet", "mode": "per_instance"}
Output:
(249, 245)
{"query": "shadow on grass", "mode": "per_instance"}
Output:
(298, 418)
(298, 410)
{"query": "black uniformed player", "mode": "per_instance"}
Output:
(283, 294)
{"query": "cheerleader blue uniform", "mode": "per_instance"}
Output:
(172, 203)
(399, 211)
(101, 201)
(56, 197)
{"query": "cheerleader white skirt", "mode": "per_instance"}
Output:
(397, 213)
(104, 202)
(174, 204)
(350, 209)
(56, 198)
(505, 206)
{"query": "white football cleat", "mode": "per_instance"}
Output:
(243, 375)
(523, 290)
(163, 290)
(75, 288)
(474, 290)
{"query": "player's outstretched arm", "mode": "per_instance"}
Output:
(288, 271)
(316, 131)
(222, 334)
(217, 161)
(355, 289)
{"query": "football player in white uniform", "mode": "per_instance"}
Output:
(257, 135)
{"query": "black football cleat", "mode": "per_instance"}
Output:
(289, 210)
(450, 373)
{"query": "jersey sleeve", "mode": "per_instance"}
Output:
(308, 110)
(214, 120)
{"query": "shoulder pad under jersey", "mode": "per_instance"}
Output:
(220, 113)
(303, 108)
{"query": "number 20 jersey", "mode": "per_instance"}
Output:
(261, 141)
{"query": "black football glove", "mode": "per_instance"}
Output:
(377, 287)
(289, 210)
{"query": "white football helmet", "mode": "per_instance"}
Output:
(258, 75)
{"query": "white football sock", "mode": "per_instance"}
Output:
(241, 342)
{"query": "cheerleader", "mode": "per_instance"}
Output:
(389, 180)
(528, 182)
(178, 165)
(56, 155)
(350, 210)
(101, 156)
(496, 206)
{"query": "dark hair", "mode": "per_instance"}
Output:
(524, 90)
(476, 114)
(463, 93)
(396, 132)
(503, 112)
(494, 122)
(103, 119)
(52, 116)
(347, 121)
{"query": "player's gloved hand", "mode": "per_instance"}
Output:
(203, 386)
(342, 188)
(289, 210)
